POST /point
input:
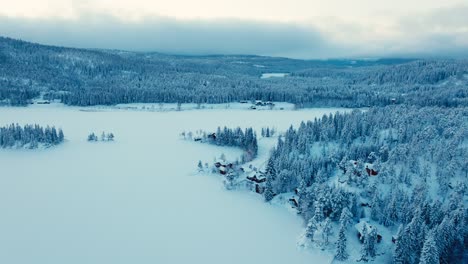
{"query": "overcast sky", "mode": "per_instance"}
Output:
(292, 28)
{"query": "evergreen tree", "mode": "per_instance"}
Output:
(402, 254)
(92, 137)
(268, 193)
(61, 135)
(318, 213)
(430, 252)
(270, 169)
(417, 230)
(371, 242)
(375, 206)
(365, 244)
(311, 229)
(326, 230)
(346, 217)
(341, 253)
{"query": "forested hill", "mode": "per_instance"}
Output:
(401, 169)
(90, 77)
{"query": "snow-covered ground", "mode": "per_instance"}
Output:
(273, 75)
(139, 199)
(170, 107)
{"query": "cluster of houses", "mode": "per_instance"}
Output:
(258, 103)
(199, 138)
(254, 181)
(225, 168)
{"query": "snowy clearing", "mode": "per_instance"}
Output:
(139, 199)
(273, 75)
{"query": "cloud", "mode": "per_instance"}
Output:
(440, 32)
(169, 35)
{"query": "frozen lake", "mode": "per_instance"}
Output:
(138, 199)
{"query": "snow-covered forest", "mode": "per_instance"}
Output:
(29, 136)
(96, 77)
(398, 174)
(403, 168)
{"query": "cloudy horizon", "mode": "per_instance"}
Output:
(302, 29)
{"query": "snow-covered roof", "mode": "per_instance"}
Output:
(361, 224)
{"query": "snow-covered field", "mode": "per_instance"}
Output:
(184, 107)
(138, 199)
(273, 75)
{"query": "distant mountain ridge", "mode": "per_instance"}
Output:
(90, 77)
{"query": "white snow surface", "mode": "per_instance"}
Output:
(170, 107)
(273, 75)
(139, 199)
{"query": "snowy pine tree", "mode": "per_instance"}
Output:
(311, 229)
(92, 137)
(60, 135)
(368, 238)
(402, 253)
(326, 230)
(318, 213)
(268, 193)
(371, 242)
(345, 217)
(341, 244)
(430, 252)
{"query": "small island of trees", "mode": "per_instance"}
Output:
(29, 136)
(104, 137)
